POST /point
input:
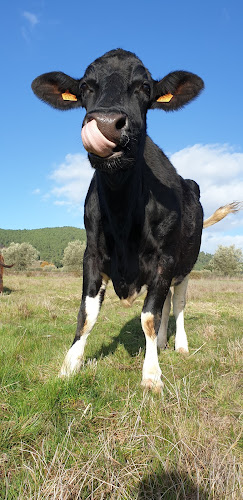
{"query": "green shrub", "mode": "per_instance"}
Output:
(73, 256)
(22, 255)
(227, 261)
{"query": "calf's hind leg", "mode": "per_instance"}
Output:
(179, 302)
(162, 333)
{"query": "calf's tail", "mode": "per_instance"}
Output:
(222, 212)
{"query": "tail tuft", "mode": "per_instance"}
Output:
(222, 212)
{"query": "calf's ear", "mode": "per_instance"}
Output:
(57, 89)
(175, 90)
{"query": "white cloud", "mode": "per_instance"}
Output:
(31, 18)
(211, 240)
(217, 169)
(72, 179)
(31, 21)
(63, 203)
(36, 191)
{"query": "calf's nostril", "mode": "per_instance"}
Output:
(121, 123)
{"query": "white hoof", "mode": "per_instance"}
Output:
(182, 350)
(152, 385)
(181, 344)
(67, 370)
(73, 361)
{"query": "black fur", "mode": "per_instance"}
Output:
(143, 221)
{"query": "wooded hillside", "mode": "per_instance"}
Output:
(50, 242)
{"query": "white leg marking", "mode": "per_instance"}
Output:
(92, 307)
(151, 370)
(179, 302)
(162, 333)
(74, 358)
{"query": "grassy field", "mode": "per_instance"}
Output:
(98, 436)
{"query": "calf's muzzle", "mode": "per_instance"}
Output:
(111, 125)
(102, 132)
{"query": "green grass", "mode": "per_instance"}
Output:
(97, 435)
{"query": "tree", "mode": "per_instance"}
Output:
(202, 261)
(22, 255)
(73, 256)
(227, 261)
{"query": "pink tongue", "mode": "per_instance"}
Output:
(95, 142)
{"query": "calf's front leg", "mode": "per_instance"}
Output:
(92, 298)
(151, 320)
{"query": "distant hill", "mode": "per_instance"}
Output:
(50, 241)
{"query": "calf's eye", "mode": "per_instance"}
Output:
(84, 86)
(146, 88)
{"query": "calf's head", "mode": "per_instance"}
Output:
(116, 91)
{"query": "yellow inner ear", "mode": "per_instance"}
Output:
(69, 97)
(165, 98)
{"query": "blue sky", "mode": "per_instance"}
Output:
(44, 170)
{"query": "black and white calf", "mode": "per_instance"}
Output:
(143, 221)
